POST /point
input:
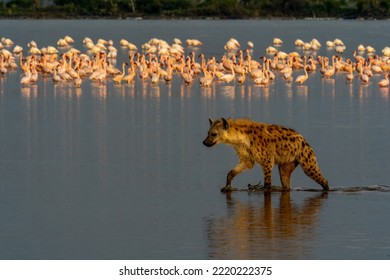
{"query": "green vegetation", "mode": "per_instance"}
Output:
(379, 9)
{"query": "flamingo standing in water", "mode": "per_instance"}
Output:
(78, 81)
(3, 69)
(228, 77)
(350, 75)
(55, 77)
(26, 79)
(302, 78)
(129, 77)
(241, 78)
(384, 82)
(169, 75)
(329, 72)
(186, 72)
(118, 78)
(364, 77)
(156, 75)
(208, 78)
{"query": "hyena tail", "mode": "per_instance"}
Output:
(308, 162)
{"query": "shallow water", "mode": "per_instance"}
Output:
(120, 172)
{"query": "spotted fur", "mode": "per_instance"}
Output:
(267, 145)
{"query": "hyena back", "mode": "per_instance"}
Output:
(267, 145)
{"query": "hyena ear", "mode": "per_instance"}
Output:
(225, 124)
(211, 121)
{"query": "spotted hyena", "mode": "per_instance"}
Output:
(267, 145)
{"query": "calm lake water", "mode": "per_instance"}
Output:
(120, 172)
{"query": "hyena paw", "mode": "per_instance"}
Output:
(267, 186)
(227, 188)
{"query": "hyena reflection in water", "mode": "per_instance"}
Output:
(267, 145)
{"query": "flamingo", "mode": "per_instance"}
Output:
(100, 72)
(288, 76)
(195, 66)
(78, 81)
(361, 48)
(55, 77)
(34, 73)
(338, 42)
(228, 77)
(254, 71)
(364, 77)
(3, 69)
(71, 72)
(384, 82)
(329, 71)
(207, 80)
(62, 43)
(302, 78)
(7, 41)
(168, 76)
(299, 43)
(241, 79)
(329, 44)
(187, 77)
(17, 50)
(68, 39)
(367, 70)
(26, 79)
(208, 77)
(186, 71)
(350, 75)
(258, 80)
(130, 73)
(156, 76)
(277, 41)
(266, 79)
(311, 64)
(357, 57)
(118, 78)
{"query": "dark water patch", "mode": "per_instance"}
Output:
(373, 188)
(347, 189)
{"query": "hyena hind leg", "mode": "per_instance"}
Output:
(285, 171)
(315, 174)
(311, 168)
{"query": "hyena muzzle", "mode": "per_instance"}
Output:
(268, 145)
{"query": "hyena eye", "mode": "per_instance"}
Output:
(213, 134)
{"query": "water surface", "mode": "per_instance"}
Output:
(120, 172)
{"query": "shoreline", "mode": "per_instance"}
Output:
(184, 18)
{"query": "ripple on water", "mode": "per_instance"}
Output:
(345, 189)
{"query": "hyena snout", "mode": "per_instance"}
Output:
(208, 142)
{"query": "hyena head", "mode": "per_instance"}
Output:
(216, 132)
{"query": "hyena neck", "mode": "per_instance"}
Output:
(237, 137)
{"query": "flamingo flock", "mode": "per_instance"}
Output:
(158, 61)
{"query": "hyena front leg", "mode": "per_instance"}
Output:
(243, 165)
(267, 172)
